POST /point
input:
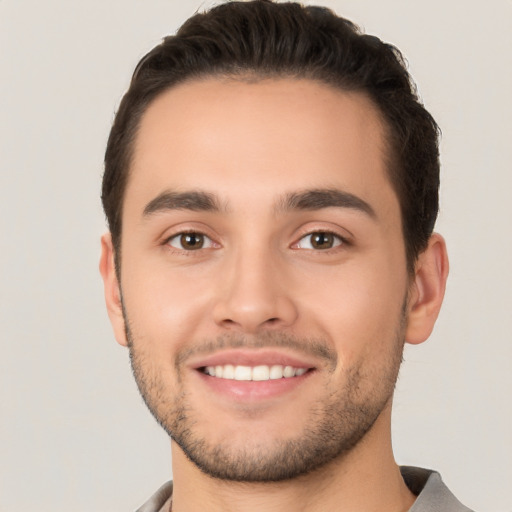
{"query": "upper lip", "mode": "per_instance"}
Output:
(246, 357)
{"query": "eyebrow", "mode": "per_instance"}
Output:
(197, 201)
(316, 199)
(312, 199)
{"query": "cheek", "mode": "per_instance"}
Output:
(359, 308)
(164, 306)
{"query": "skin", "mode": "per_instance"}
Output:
(258, 279)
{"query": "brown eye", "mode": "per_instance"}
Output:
(322, 240)
(190, 241)
(319, 240)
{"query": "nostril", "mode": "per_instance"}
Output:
(230, 323)
(253, 311)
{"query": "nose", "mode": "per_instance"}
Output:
(254, 295)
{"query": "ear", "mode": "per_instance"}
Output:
(112, 289)
(427, 290)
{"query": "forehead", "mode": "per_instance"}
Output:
(238, 138)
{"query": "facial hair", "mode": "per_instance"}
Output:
(334, 426)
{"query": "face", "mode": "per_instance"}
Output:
(263, 276)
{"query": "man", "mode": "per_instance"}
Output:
(271, 187)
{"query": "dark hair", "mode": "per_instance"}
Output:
(263, 39)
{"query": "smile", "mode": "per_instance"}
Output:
(254, 373)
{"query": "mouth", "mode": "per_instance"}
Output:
(254, 373)
(247, 375)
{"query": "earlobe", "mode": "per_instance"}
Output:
(112, 289)
(427, 290)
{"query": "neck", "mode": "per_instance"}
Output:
(365, 479)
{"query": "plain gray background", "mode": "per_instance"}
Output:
(74, 434)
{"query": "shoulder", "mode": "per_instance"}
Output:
(432, 493)
(160, 501)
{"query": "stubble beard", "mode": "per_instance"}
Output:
(335, 425)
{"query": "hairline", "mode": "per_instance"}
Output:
(254, 76)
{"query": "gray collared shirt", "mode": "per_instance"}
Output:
(432, 494)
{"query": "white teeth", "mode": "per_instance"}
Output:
(276, 372)
(288, 371)
(256, 373)
(243, 373)
(260, 373)
(228, 372)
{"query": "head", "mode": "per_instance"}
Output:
(271, 188)
(251, 41)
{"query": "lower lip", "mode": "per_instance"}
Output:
(248, 390)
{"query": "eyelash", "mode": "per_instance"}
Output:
(167, 241)
(338, 241)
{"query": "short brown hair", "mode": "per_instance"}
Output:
(264, 39)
